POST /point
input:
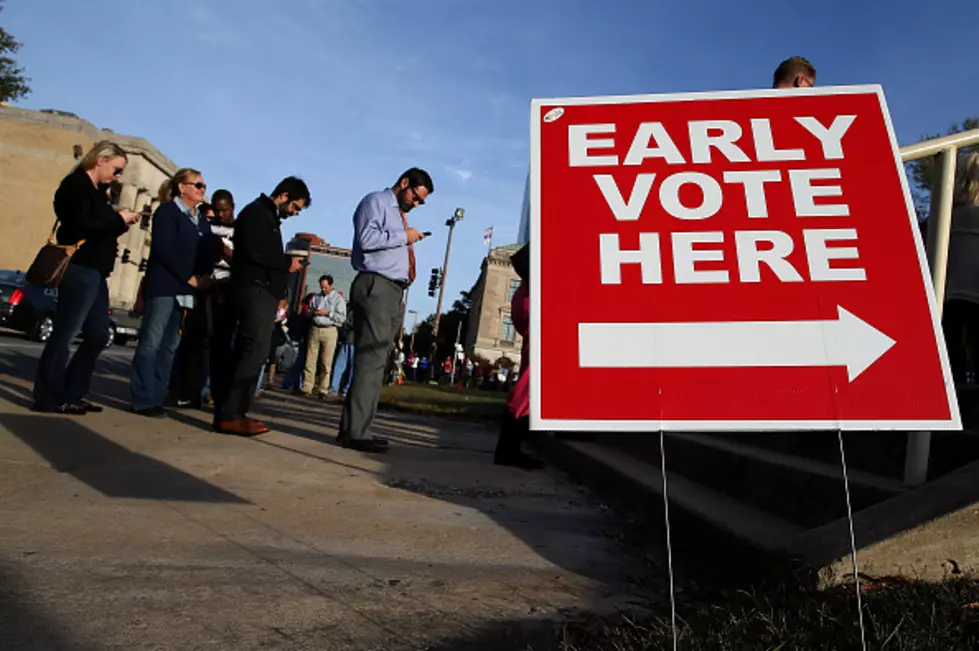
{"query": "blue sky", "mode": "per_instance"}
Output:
(349, 93)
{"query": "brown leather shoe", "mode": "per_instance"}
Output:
(258, 426)
(241, 427)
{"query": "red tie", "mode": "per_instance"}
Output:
(411, 252)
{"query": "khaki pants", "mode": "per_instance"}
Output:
(319, 352)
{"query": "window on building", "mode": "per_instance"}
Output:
(507, 332)
(514, 286)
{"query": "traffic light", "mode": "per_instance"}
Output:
(433, 283)
(125, 256)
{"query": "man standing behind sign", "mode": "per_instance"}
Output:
(260, 272)
(795, 72)
(383, 254)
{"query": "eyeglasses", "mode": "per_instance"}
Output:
(200, 185)
(418, 199)
(118, 171)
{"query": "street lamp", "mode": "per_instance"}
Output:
(414, 326)
(451, 223)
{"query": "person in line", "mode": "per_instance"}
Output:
(329, 313)
(218, 314)
(301, 321)
(516, 414)
(260, 271)
(423, 370)
(187, 375)
(794, 72)
(960, 317)
(384, 257)
(85, 215)
(343, 366)
(280, 333)
(182, 254)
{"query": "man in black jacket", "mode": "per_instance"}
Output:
(260, 272)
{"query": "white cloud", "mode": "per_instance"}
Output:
(465, 175)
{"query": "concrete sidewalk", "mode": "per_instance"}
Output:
(118, 532)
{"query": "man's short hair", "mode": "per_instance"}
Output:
(791, 68)
(295, 187)
(418, 178)
(328, 278)
(222, 195)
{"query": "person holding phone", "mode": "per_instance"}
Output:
(384, 256)
(84, 212)
(260, 270)
(181, 261)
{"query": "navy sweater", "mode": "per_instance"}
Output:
(178, 250)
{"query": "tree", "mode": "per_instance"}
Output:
(448, 329)
(922, 172)
(13, 82)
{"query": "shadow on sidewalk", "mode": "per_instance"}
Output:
(109, 468)
(24, 626)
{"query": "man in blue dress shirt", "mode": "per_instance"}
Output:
(385, 259)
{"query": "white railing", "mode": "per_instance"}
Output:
(945, 150)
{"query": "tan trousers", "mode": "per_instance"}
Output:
(319, 353)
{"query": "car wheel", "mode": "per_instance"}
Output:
(120, 340)
(42, 329)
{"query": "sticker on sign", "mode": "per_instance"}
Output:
(729, 261)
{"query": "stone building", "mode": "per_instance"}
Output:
(37, 149)
(491, 333)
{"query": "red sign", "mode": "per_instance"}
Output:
(729, 261)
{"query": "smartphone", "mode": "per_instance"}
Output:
(427, 233)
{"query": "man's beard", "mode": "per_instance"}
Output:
(405, 206)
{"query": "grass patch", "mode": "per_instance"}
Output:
(448, 402)
(898, 614)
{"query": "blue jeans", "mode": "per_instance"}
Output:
(344, 361)
(159, 336)
(83, 307)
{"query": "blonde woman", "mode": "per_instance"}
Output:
(182, 255)
(961, 314)
(83, 209)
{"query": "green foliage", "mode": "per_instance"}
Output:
(14, 84)
(921, 172)
(448, 329)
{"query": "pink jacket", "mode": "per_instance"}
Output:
(519, 400)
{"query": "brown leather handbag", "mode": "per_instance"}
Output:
(51, 261)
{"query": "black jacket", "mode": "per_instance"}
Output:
(86, 214)
(259, 258)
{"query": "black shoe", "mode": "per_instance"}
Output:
(519, 460)
(366, 445)
(151, 412)
(90, 407)
(70, 410)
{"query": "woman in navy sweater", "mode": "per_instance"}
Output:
(182, 254)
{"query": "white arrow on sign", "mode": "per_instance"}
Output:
(846, 341)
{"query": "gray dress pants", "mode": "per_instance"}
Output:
(377, 313)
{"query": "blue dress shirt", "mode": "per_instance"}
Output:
(380, 241)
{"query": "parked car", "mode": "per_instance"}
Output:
(30, 309)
